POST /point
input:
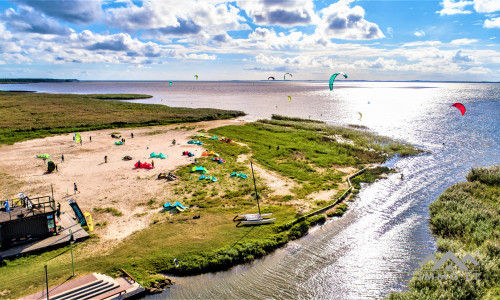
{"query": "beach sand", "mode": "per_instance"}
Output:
(116, 184)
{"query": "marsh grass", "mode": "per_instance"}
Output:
(28, 116)
(111, 210)
(466, 218)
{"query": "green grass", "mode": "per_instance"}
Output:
(466, 219)
(111, 210)
(28, 116)
(304, 154)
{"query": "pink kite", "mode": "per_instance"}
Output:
(460, 106)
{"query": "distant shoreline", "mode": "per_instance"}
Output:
(42, 80)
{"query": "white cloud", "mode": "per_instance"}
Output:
(461, 58)
(419, 44)
(486, 6)
(452, 7)
(203, 56)
(493, 23)
(279, 12)
(461, 42)
(176, 19)
(343, 22)
(419, 33)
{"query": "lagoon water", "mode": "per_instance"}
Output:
(380, 241)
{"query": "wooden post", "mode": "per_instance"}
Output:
(47, 282)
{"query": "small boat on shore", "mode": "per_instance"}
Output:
(254, 219)
(256, 222)
(251, 217)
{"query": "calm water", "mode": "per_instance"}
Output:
(376, 246)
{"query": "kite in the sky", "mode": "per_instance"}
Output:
(270, 77)
(332, 79)
(289, 98)
(360, 115)
(170, 83)
(284, 76)
(196, 76)
(460, 107)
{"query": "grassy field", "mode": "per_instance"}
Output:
(466, 219)
(32, 115)
(212, 242)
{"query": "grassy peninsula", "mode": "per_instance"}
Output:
(32, 115)
(309, 160)
(466, 219)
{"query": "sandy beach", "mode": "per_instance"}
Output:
(116, 184)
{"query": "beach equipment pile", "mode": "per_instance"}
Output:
(199, 169)
(207, 177)
(189, 154)
(213, 138)
(195, 142)
(143, 165)
(240, 175)
(127, 157)
(168, 177)
(159, 155)
(219, 160)
(173, 207)
(209, 153)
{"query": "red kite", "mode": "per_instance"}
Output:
(460, 106)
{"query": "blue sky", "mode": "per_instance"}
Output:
(250, 39)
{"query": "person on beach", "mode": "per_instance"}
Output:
(58, 211)
(75, 189)
(402, 176)
(153, 164)
(105, 159)
(173, 142)
(56, 168)
(43, 159)
(62, 157)
(132, 135)
(81, 142)
(90, 138)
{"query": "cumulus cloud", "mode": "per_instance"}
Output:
(279, 12)
(486, 6)
(452, 7)
(175, 19)
(73, 11)
(28, 20)
(419, 33)
(461, 58)
(492, 23)
(343, 22)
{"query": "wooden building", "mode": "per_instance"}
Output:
(26, 219)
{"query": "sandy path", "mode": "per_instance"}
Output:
(114, 184)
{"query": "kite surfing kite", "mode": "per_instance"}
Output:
(289, 98)
(77, 137)
(170, 83)
(270, 77)
(460, 107)
(196, 76)
(284, 76)
(360, 115)
(332, 79)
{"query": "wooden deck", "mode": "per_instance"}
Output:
(67, 222)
